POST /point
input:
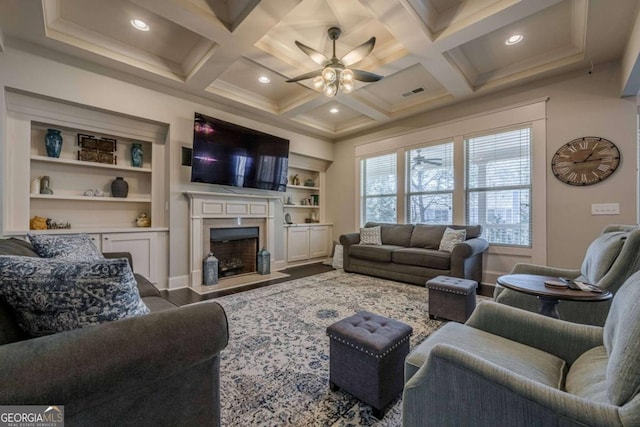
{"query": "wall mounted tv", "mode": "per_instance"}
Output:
(228, 154)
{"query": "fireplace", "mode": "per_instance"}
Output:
(235, 248)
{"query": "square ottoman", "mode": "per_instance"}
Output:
(451, 298)
(366, 358)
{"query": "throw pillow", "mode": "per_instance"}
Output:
(52, 295)
(601, 254)
(450, 238)
(72, 247)
(370, 236)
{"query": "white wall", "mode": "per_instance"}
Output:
(580, 104)
(30, 73)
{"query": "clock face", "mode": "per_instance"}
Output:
(585, 161)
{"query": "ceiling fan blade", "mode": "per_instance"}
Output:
(317, 57)
(366, 76)
(359, 53)
(305, 76)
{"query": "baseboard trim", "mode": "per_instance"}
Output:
(178, 282)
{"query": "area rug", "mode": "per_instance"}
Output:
(275, 370)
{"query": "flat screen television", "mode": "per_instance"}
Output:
(228, 154)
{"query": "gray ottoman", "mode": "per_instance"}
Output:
(451, 298)
(366, 358)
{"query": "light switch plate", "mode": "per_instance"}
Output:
(605, 209)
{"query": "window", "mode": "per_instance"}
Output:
(498, 186)
(379, 188)
(430, 184)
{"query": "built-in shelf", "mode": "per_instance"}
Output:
(88, 164)
(303, 187)
(302, 206)
(91, 198)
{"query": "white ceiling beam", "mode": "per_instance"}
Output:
(487, 20)
(401, 21)
(230, 46)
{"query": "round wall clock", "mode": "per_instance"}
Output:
(585, 161)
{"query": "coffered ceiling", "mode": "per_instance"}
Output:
(431, 52)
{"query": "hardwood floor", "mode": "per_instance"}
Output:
(187, 296)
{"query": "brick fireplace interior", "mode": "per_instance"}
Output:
(236, 249)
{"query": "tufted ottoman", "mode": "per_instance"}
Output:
(451, 298)
(366, 358)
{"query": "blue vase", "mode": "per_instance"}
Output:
(53, 142)
(136, 155)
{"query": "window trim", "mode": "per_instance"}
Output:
(531, 112)
(529, 187)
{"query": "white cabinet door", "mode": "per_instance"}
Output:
(143, 248)
(95, 238)
(297, 243)
(318, 241)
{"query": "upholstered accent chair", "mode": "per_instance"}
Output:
(610, 259)
(511, 367)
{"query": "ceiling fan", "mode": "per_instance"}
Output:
(419, 161)
(335, 75)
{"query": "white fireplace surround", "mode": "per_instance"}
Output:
(234, 210)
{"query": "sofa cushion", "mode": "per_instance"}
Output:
(72, 247)
(370, 236)
(427, 236)
(374, 253)
(587, 376)
(52, 295)
(524, 360)
(15, 246)
(601, 254)
(394, 234)
(429, 258)
(450, 238)
(473, 231)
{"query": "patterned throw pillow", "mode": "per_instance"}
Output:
(450, 238)
(52, 295)
(71, 247)
(370, 236)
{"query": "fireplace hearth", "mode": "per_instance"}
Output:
(236, 249)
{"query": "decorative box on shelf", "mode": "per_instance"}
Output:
(100, 150)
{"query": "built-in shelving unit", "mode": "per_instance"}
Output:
(305, 199)
(70, 178)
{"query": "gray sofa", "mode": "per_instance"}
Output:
(409, 253)
(158, 369)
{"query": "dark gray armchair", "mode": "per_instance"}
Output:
(511, 367)
(610, 259)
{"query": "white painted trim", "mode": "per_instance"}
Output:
(478, 123)
(178, 282)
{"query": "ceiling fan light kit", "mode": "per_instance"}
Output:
(335, 76)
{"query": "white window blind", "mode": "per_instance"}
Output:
(379, 189)
(430, 184)
(498, 186)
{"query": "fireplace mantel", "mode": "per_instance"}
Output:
(206, 206)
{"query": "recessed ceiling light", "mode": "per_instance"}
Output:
(139, 24)
(264, 79)
(514, 39)
(334, 110)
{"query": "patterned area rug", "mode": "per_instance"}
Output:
(275, 370)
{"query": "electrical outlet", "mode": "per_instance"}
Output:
(605, 209)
